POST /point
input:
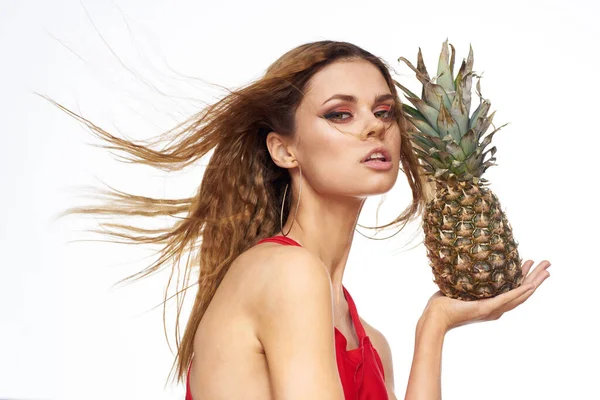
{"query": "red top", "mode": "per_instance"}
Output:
(360, 369)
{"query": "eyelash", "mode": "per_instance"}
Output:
(331, 116)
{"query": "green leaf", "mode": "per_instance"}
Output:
(478, 87)
(443, 72)
(423, 127)
(440, 172)
(492, 150)
(456, 151)
(472, 163)
(407, 92)
(436, 95)
(459, 77)
(480, 112)
(433, 151)
(425, 142)
(469, 142)
(459, 112)
(461, 170)
(422, 70)
(422, 146)
(421, 65)
(488, 164)
(422, 74)
(434, 162)
(445, 157)
(452, 62)
(447, 125)
(421, 153)
(483, 124)
(428, 168)
(467, 77)
(430, 113)
(439, 143)
(413, 112)
(488, 139)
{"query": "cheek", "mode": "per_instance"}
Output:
(323, 143)
(329, 153)
(328, 157)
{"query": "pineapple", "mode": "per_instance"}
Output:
(469, 241)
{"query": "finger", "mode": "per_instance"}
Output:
(536, 278)
(511, 299)
(489, 306)
(537, 272)
(521, 299)
(526, 267)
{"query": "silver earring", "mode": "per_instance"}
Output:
(283, 204)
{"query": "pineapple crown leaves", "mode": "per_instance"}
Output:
(449, 143)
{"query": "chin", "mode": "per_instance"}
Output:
(381, 185)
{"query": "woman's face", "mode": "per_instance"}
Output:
(345, 114)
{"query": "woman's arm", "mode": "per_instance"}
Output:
(424, 381)
(443, 314)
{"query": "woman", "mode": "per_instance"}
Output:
(296, 154)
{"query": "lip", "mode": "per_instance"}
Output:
(382, 150)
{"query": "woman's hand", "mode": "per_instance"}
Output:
(452, 313)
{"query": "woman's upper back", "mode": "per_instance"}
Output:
(275, 304)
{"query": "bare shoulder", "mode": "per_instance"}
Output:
(279, 281)
(377, 338)
(291, 307)
(273, 270)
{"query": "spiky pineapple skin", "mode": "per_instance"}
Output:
(470, 243)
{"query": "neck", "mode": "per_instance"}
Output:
(325, 226)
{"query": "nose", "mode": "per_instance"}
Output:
(374, 127)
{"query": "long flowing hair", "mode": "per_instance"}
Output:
(239, 198)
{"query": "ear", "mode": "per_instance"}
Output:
(281, 150)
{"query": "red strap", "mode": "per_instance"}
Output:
(360, 330)
(188, 391)
(281, 240)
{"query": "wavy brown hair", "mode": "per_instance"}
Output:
(239, 199)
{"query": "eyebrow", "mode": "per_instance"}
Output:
(352, 99)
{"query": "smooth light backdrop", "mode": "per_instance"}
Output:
(66, 333)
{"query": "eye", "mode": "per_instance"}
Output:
(337, 115)
(385, 114)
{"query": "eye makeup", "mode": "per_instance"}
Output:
(345, 114)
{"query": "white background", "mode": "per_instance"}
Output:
(65, 333)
